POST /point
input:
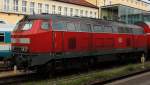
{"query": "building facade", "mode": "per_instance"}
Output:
(134, 18)
(139, 4)
(121, 10)
(14, 10)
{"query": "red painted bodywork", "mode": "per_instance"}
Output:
(48, 41)
(146, 27)
(40, 40)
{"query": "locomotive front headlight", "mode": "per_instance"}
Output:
(24, 40)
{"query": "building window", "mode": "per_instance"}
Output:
(59, 9)
(24, 6)
(76, 12)
(86, 13)
(136, 2)
(53, 9)
(16, 5)
(71, 11)
(145, 5)
(46, 8)
(81, 12)
(142, 3)
(95, 15)
(6, 5)
(32, 4)
(91, 14)
(65, 11)
(39, 8)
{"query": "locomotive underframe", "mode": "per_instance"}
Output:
(27, 60)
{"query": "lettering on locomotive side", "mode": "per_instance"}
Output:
(120, 40)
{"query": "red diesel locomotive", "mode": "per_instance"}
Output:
(52, 41)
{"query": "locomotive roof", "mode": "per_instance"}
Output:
(48, 16)
(84, 19)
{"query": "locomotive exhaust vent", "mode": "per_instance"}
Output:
(72, 43)
(1, 37)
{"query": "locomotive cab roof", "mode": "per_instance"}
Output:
(143, 23)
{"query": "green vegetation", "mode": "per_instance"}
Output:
(86, 78)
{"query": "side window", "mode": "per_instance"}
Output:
(85, 27)
(108, 29)
(45, 25)
(77, 26)
(124, 30)
(120, 30)
(128, 30)
(98, 28)
(71, 26)
(138, 31)
(141, 31)
(59, 25)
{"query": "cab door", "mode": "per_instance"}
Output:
(58, 30)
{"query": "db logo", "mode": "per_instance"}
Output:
(120, 40)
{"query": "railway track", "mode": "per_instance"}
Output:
(32, 76)
(18, 78)
(102, 82)
(3, 69)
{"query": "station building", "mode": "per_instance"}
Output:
(133, 18)
(128, 11)
(14, 10)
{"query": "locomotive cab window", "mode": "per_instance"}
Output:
(138, 31)
(45, 25)
(125, 30)
(27, 25)
(1, 37)
(24, 25)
